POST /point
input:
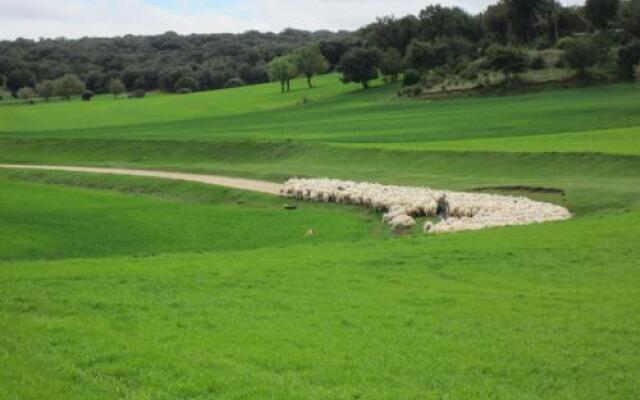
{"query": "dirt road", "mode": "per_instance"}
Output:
(236, 183)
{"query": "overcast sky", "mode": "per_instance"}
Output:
(77, 18)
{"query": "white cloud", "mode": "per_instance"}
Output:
(77, 18)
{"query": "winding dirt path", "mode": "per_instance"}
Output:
(235, 183)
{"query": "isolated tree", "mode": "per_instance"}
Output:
(116, 88)
(26, 93)
(507, 59)
(68, 86)
(282, 69)
(359, 65)
(309, 62)
(18, 79)
(580, 54)
(601, 12)
(391, 64)
(46, 89)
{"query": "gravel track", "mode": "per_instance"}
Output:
(235, 183)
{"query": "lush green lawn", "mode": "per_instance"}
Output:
(610, 141)
(536, 312)
(45, 222)
(114, 287)
(335, 113)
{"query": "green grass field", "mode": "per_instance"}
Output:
(120, 287)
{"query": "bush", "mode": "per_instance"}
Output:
(628, 57)
(538, 63)
(234, 82)
(87, 95)
(26, 93)
(581, 53)
(471, 72)
(411, 77)
(507, 59)
(183, 91)
(137, 94)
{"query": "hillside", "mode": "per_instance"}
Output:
(142, 288)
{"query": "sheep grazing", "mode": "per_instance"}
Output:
(458, 211)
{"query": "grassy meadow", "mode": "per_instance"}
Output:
(131, 288)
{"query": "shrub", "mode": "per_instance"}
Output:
(68, 86)
(116, 88)
(628, 57)
(411, 77)
(46, 89)
(182, 91)
(87, 95)
(507, 59)
(234, 82)
(138, 94)
(581, 53)
(26, 93)
(538, 63)
(471, 73)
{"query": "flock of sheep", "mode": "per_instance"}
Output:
(458, 211)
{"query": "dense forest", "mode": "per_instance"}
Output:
(439, 42)
(169, 62)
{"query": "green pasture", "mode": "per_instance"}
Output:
(130, 288)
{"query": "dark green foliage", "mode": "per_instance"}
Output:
(630, 18)
(69, 85)
(391, 64)
(116, 87)
(283, 69)
(538, 63)
(46, 89)
(309, 62)
(581, 53)
(438, 21)
(601, 12)
(138, 94)
(411, 77)
(146, 62)
(628, 58)
(439, 53)
(234, 82)
(185, 82)
(522, 18)
(391, 33)
(18, 79)
(507, 59)
(87, 95)
(360, 65)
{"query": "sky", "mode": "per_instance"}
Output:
(34, 19)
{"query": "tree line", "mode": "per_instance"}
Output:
(168, 62)
(442, 41)
(421, 48)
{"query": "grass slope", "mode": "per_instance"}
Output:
(40, 221)
(548, 311)
(114, 287)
